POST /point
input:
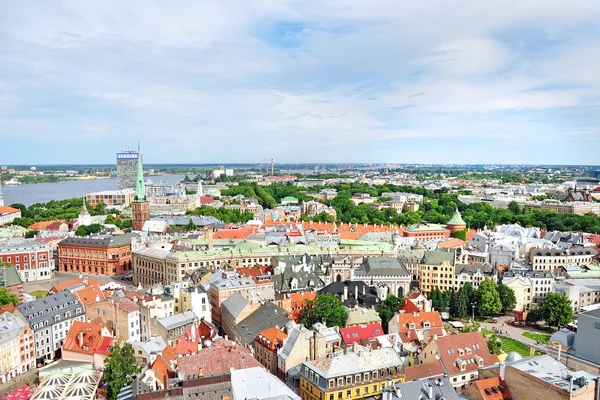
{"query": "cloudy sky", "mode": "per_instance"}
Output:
(448, 81)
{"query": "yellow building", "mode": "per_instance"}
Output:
(437, 270)
(523, 288)
(355, 375)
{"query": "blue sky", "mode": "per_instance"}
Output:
(448, 81)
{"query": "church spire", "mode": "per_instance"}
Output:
(140, 187)
(84, 210)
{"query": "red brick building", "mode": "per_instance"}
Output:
(108, 255)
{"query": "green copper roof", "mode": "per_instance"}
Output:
(457, 219)
(140, 187)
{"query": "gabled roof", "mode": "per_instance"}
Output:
(92, 337)
(354, 334)
(218, 358)
(8, 210)
(362, 316)
(472, 346)
(493, 388)
(405, 320)
(271, 338)
(424, 371)
(74, 284)
(90, 294)
(266, 316)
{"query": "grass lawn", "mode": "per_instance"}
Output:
(486, 332)
(541, 337)
(39, 293)
(483, 319)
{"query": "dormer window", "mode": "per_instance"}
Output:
(411, 326)
(460, 352)
(468, 349)
(426, 324)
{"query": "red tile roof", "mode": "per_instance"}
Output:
(472, 346)
(169, 353)
(7, 308)
(75, 282)
(8, 210)
(41, 225)
(186, 346)
(91, 335)
(218, 358)
(257, 270)
(206, 200)
(271, 338)
(241, 232)
(451, 243)
(419, 319)
(493, 389)
(90, 294)
(409, 306)
(163, 371)
(423, 371)
(354, 334)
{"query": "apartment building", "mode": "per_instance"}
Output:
(437, 271)
(350, 376)
(102, 255)
(33, 260)
(50, 318)
(553, 259)
(542, 283)
(474, 274)
(17, 349)
(119, 314)
(266, 345)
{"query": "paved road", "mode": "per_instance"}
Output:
(513, 331)
(19, 381)
(62, 277)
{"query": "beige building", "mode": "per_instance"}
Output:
(437, 271)
(553, 259)
(523, 288)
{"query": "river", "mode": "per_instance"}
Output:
(44, 192)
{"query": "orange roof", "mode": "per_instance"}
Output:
(270, 338)
(466, 346)
(90, 334)
(162, 370)
(257, 270)
(7, 308)
(422, 371)
(493, 389)
(241, 232)
(186, 346)
(74, 283)
(41, 225)
(169, 353)
(8, 210)
(419, 319)
(451, 243)
(409, 306)
(297, 303)
(355, 231)
(90, 294)
(470, 233)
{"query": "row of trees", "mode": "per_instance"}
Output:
(57, 209)
(555, 310)
(489, 299)
(222, 214)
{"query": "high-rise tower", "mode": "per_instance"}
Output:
(140, 208)
(126, 169)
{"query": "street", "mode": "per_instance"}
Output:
(514, 332)
(29, 376)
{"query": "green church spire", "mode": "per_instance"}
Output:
(140, 187)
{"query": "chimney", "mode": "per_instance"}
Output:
(571, 384)
(502, 370)
(200, 373)
(430, 390)
(345, 292)
(85, 280)
(80, 339)
(356, 292)
(364, 289)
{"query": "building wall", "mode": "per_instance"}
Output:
(266, 357)
(523, 294)
(522, 385)
(110, 315)
(33, 263)
(586, 341)
(26, 349)
(94, 260)
(354, 390)
(126, 169)
(8, 218)
(437, 276)
(554, 262)
(140, 213)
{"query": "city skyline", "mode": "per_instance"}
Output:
(341, 82)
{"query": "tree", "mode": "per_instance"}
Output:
(326, 308)
(454, 304)
(387, 309)
(488, 299)
(8, 297)
(120, 368)
(507, 297)
(461, 311)
(534, 316)
(445, 299)
(469, 291)
(436, 299)
(513, 206)
(31, 234)
(191, 226)
(493, 344)
(81, 231)
(557, 309)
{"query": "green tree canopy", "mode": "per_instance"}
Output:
(557, 309)
(326, 308)
(493, 344)
(462, 298)
(488, 299)
(120, 368)
(8, 297)
(387, 309)
(507, 297)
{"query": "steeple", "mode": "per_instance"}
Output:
(84, 210)
(84, 218)
(140, 187)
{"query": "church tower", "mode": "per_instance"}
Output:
(140, 208)
(84, 218)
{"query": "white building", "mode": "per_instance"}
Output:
(218, 172)
(190, 297)
(548, 259)
(84, 218)
(8, 214)
(473, 273)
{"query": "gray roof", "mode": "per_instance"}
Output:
(258, 383)
(234, 305)
(441, 388)
(45, 309)
(100, 241)
(437, 257)
(384, 266)
(553, 372)
(11, 276)
(311, 278)
(178, 320)
(484, 268)
(10, 327)
(564, 337)
(266, 316)
(213, 387)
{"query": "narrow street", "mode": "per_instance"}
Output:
(29, 376)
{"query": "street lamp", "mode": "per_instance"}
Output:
(473, 306)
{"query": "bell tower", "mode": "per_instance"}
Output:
(140, 208)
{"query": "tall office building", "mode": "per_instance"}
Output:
(126, 169)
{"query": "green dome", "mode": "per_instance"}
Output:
(457, 219)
